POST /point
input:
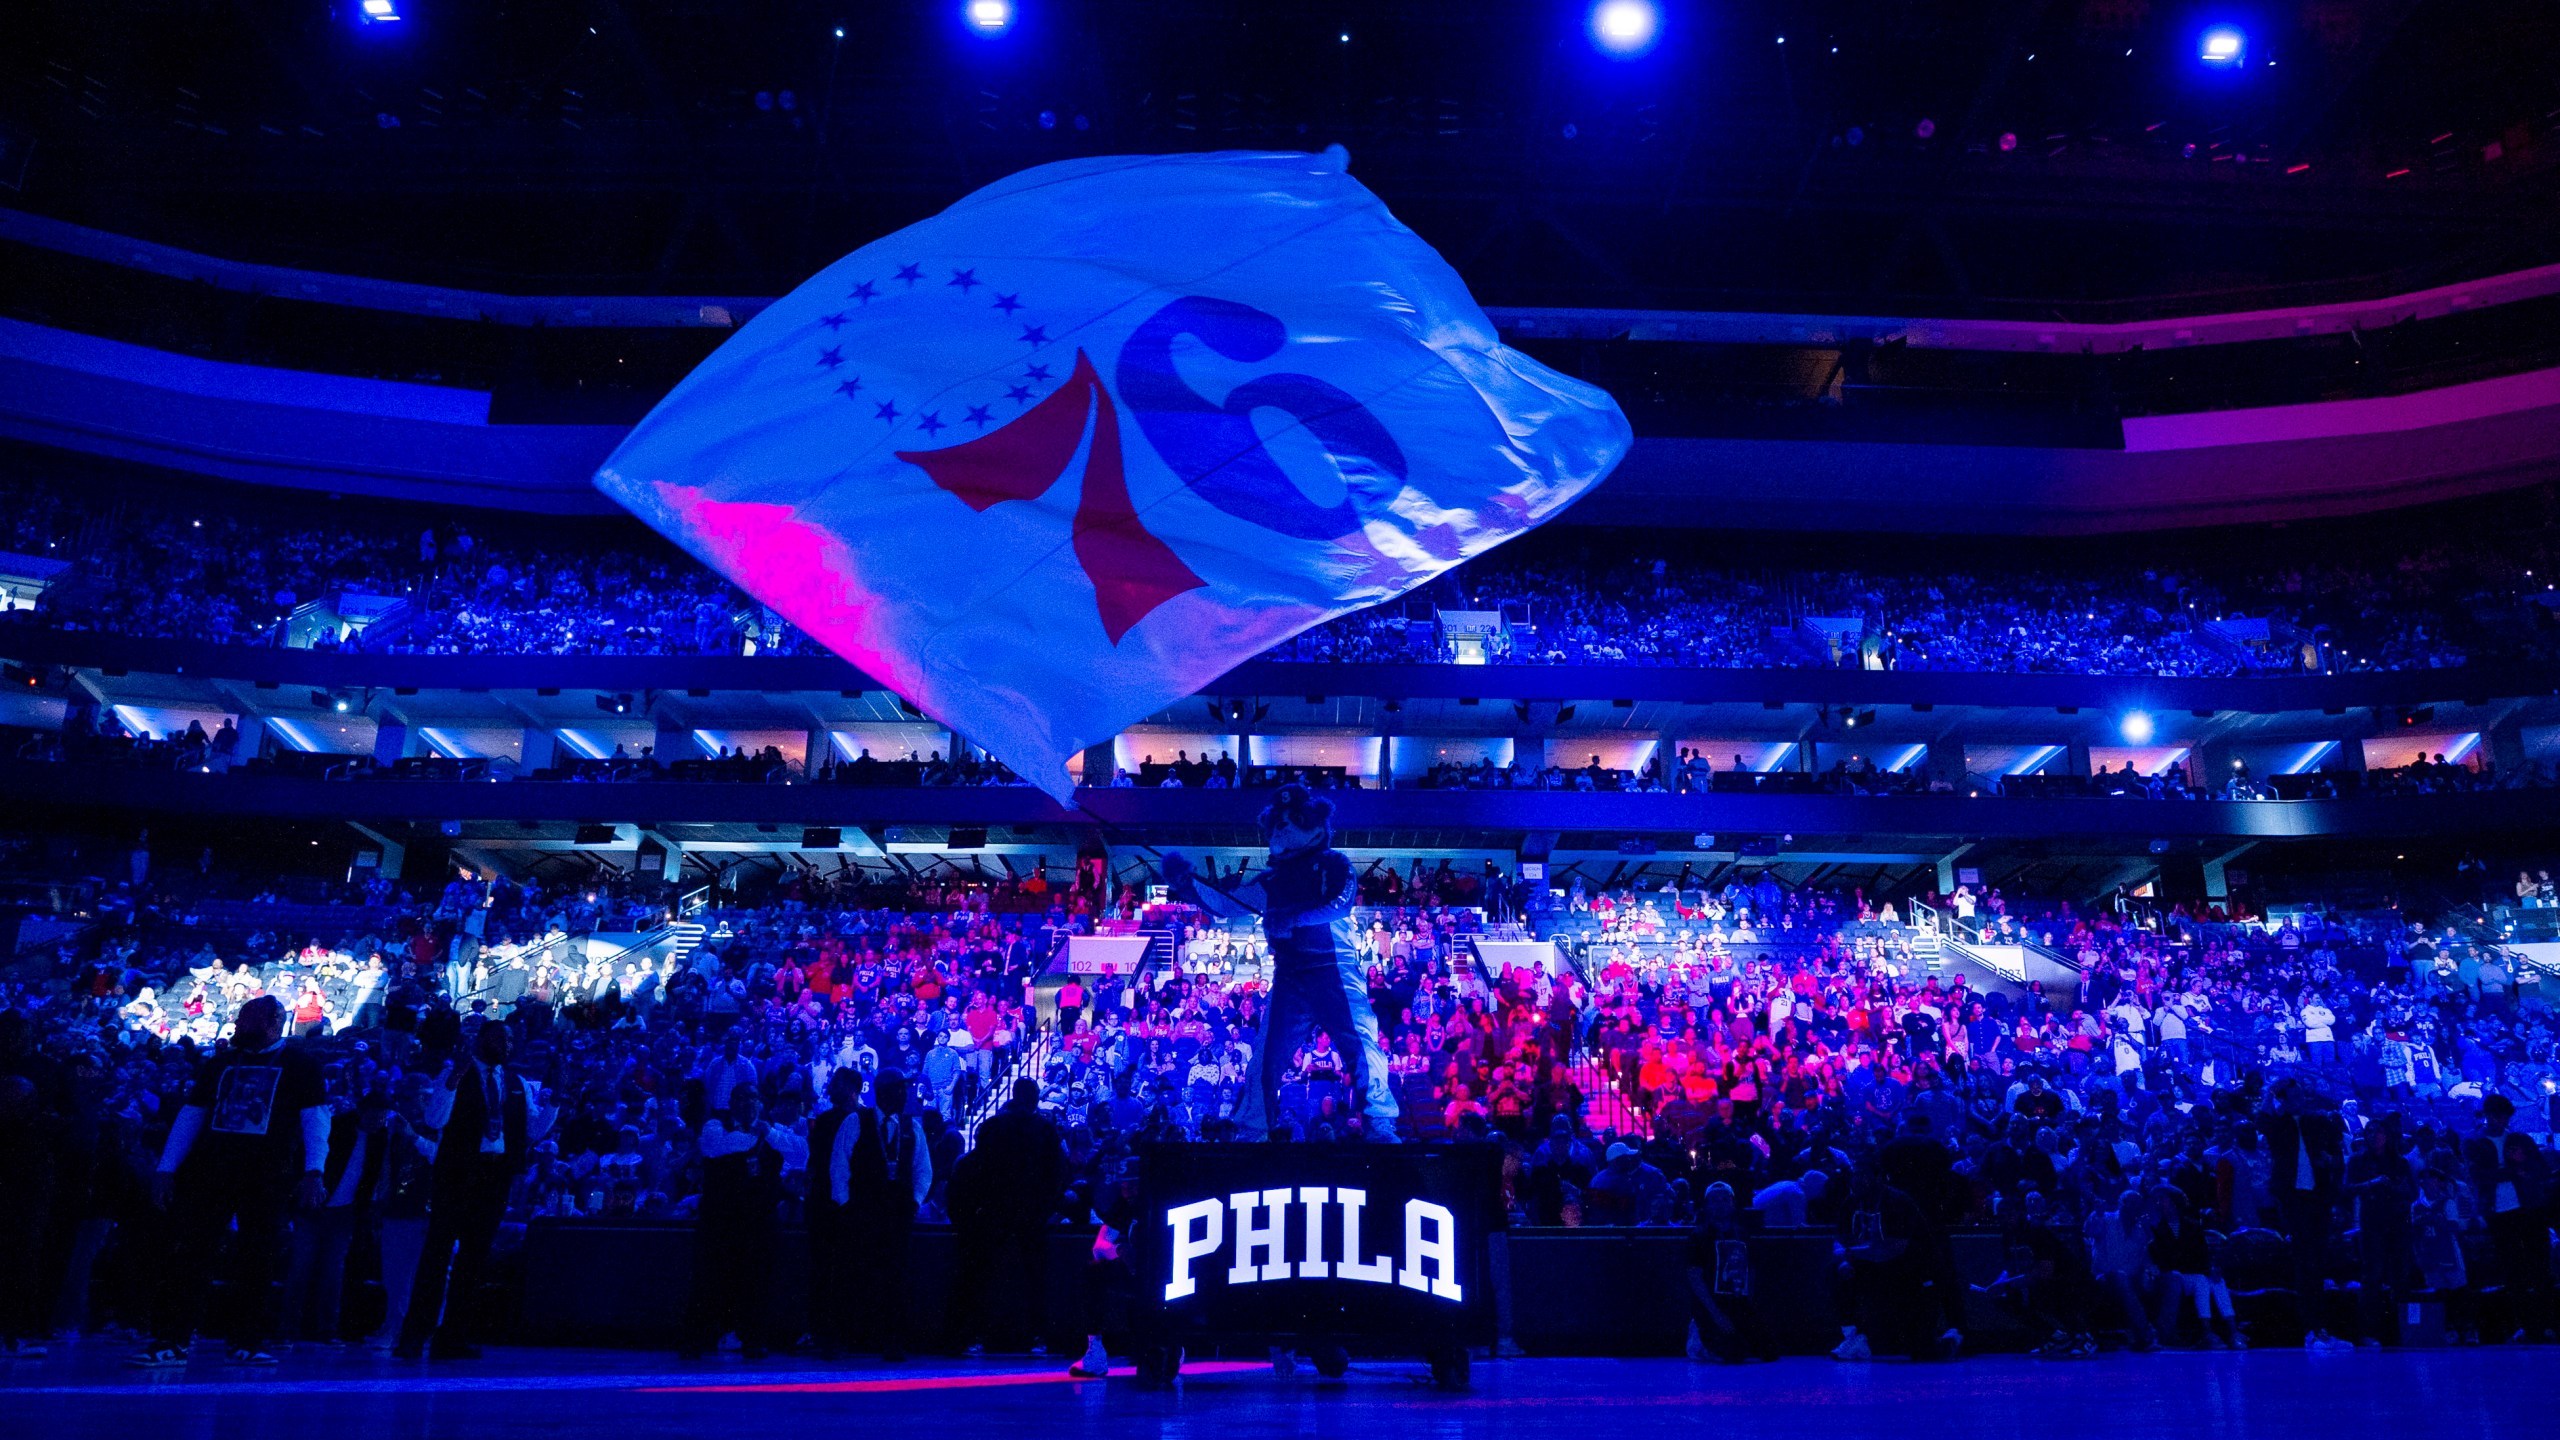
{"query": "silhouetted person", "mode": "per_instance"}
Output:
(2307, 1148)
(27, 1146)
(1720, 1282)
(734, 1225)
(360, 1145)
(485, 1117)
(1002, 1196)
(828, 1213)
(2512, 1179)
(252, 1139)
(886, 1177)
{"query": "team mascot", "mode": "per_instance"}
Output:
(1316, 979)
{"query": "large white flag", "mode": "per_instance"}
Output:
(1078, 445)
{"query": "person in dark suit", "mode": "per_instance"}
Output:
(29, 1139)
(487, 1119)
(734, 1227)
(2512, 1179)
(360, 1145)
(887, 1176)
(2308, 1148)
(1002, 1197)
(828, 1212)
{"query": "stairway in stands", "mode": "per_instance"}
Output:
(1603, 1106)
(683, 937)
(1031, 1059)
(1468, 972)
(686, 932)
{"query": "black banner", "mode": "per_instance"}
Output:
(1379, 1241)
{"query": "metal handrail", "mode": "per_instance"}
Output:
(1030, 1052)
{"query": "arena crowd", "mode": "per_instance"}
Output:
(155, 564)
(2348, 1108)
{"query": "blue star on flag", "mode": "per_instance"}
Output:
(981, 418)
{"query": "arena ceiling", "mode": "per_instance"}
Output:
(1920, 156)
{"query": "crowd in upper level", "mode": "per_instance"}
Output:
(102, 737)
(258, 571)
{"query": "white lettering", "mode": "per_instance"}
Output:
(1431, 1233)
(1264, 1239)
(1260, 1232)
(1311, 1199)
(1380, 1271)
(1198, 1230)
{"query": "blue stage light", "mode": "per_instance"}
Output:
(1625, 28)
(2223, 47)
(377, 12)
(2137, 728)
(988, 17)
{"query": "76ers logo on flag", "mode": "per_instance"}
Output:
(1212, 447)
(1132, 571)
(1077, 446)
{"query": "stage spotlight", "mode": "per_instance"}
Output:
(377, 12)
(988, 17)
(2137, 728)
(1625, 28)
(2223, 46)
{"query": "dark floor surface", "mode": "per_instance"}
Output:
(85, 1391)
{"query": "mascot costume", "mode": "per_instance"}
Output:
(1316, 976)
